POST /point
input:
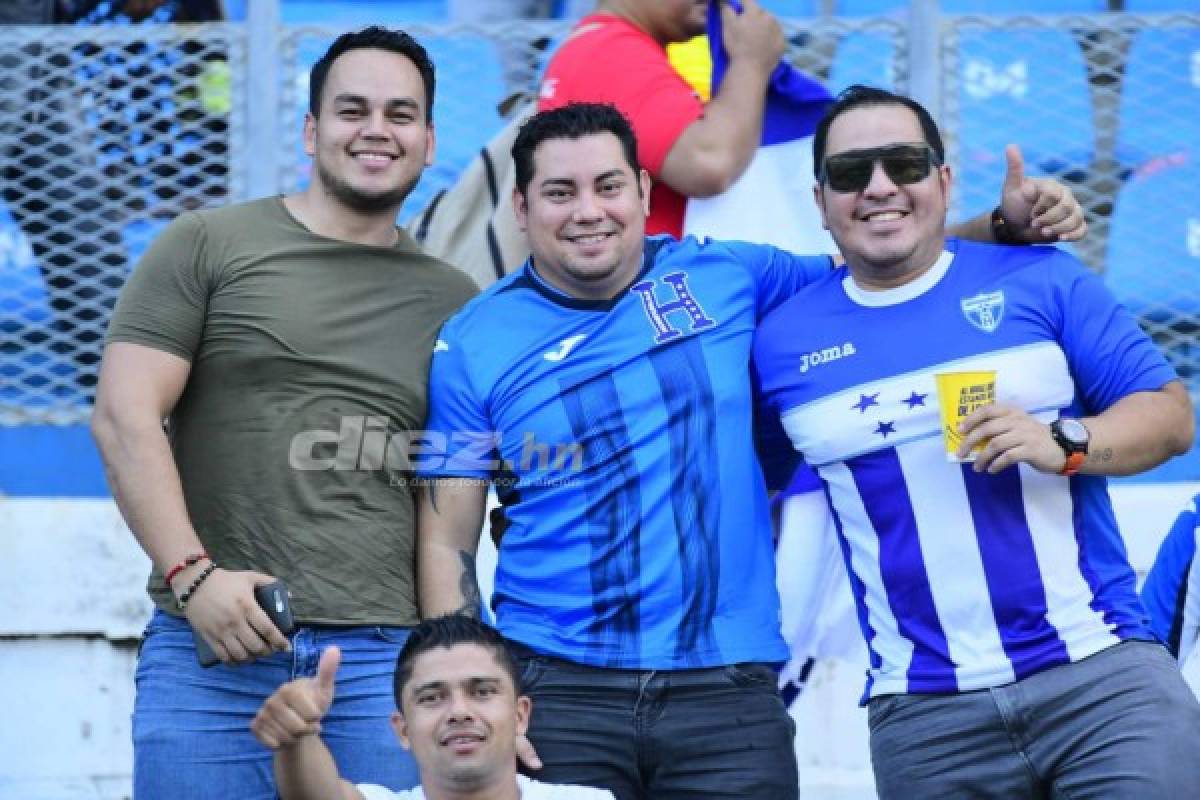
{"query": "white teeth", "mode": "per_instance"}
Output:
(885, 216)
(593, 239)
(376, 157)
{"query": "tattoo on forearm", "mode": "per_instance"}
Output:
(1102, 456)
(468, 585)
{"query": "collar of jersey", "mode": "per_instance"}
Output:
(559, 297)
(900, 294)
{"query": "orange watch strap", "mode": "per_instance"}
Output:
(1074, 463)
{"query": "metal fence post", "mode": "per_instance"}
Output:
(262, 142)
(924, 33)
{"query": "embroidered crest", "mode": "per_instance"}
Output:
(984, 311)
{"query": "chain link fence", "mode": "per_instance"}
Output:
(107, 133)
(1106, 103)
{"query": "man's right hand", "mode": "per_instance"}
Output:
(295, 709)
(753, 36)
(225, 612)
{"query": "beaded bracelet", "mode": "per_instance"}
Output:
(191, 590)
(190, 561)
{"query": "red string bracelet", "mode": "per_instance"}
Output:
(192, 560)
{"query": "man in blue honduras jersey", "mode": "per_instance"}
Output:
(1009, 654)
(1171, 593)
(604, 388)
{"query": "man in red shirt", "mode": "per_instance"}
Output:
(691, 148)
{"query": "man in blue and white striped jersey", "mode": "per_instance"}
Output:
(1010, 655)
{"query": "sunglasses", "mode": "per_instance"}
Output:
(903, 163)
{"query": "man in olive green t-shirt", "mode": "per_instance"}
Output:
(287, 343)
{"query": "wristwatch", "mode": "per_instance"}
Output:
(1073, 437)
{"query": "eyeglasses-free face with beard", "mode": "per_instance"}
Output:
(903, 163)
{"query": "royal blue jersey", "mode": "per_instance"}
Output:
(619, 434)
(963, 580)
(1166, 588)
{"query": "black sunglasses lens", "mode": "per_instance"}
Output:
(905, 169)
(852, 172)
(849, 173)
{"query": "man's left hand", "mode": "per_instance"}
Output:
(1012, 436)
(1038, 210)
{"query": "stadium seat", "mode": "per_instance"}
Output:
(29, 367)
(1151, 6)
(867, 58)
(1153, 268)
(22, 293)
(869, 8)
(1023, 6)
(1024, 86)
(785, 9)
(1160, 96)
(1153, 263)
(359, 13)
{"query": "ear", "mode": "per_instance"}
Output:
(644, 186)
(524, 709)
(430, 145)
(310, 134)
(400, 728)
(521, 209)
(819, 199)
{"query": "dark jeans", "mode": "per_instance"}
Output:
(697, 734)
(1119, 725)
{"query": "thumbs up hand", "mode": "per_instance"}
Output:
(295, 709)
(1038, 210)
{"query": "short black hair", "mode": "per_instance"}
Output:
(860, 96)
(375, 37)
(572, 121)
(447, 631)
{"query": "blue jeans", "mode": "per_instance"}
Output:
(191, 726)
(697, 734)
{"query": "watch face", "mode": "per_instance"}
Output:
(1073, 431)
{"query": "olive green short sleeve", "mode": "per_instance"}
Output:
(163, 305)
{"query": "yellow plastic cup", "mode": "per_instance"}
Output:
(959, 394)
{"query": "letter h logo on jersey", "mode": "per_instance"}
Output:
(684, 301)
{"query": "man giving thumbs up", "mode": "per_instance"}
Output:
(460, 712)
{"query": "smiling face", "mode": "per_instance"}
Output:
(460, 718)
(585, 213)
(371, 141)
(888, 233)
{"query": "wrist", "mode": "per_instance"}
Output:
(187, 591)
(1002, 231)
(1074, 440)
(186, 566)
(183, 577)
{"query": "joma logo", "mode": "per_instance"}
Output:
(818, 357)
